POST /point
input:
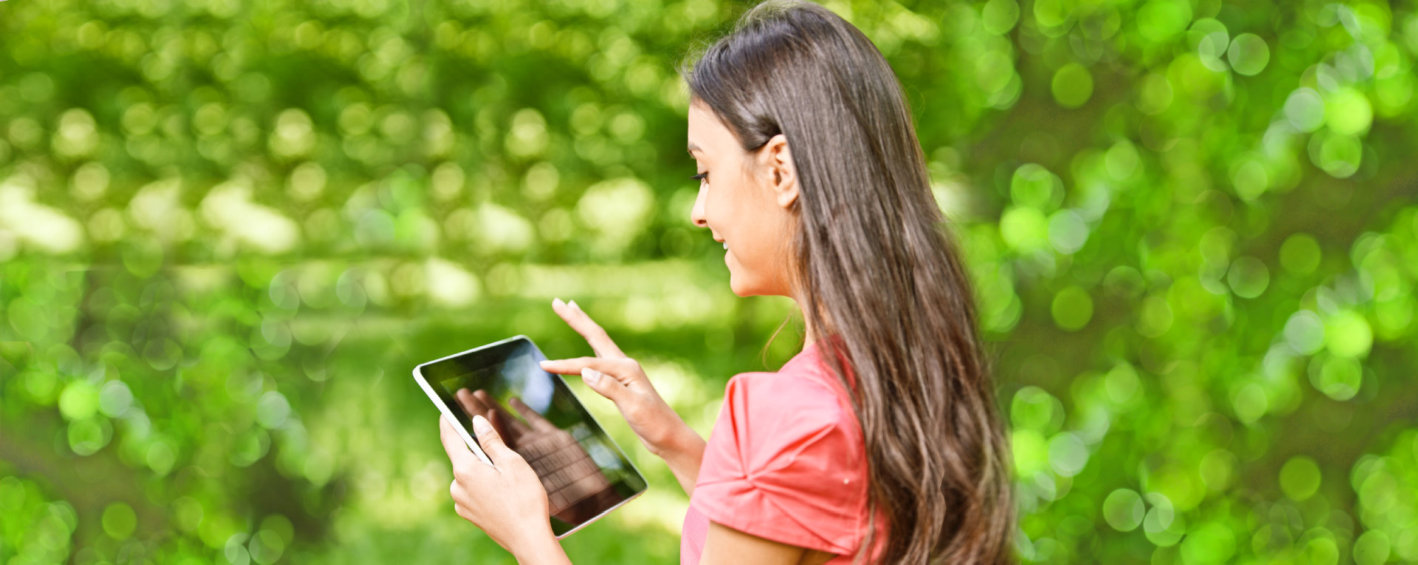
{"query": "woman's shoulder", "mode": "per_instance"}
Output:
(786, 459)
(807, 372)
(805, 389)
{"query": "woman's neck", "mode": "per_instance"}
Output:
(810, 333)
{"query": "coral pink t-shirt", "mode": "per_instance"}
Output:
(786, 461)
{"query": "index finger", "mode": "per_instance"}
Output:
(618, 369)
(600, 342)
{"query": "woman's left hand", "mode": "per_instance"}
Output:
(505, 499)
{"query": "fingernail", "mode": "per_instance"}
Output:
(544, 363)
(590, 375)
(573, 305)
(557, 302)
(481, 425)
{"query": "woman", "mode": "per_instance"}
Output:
(880, 441)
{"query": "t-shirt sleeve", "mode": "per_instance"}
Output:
(785, 462)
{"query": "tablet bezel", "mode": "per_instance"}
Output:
(472, 443)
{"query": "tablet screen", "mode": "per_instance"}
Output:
(584, 472)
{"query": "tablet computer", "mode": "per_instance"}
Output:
(585, 473)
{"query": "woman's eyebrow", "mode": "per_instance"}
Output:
(693, 147)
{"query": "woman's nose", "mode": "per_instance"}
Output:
(696, 214)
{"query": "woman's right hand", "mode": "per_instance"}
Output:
(621, 379)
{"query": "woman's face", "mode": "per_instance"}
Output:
(745, 201)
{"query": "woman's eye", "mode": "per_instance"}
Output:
(701, 177)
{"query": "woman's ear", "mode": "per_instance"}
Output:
(780, 175)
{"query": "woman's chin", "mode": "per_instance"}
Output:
(744, 289)
(737, 286)
(741, 285)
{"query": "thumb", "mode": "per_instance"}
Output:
(491, 441)
(603, 384)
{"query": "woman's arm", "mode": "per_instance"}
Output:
(725, 545)
(546, 551)
(621, 379)
(683, 454)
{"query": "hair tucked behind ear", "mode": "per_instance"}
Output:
(878, 270)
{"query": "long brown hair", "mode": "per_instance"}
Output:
(878, 270)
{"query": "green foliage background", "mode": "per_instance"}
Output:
(230, 229)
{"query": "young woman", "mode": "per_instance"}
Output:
(880, 441)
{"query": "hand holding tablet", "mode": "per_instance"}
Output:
(504, 498)
(566, 471)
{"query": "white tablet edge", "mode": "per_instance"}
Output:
(608, 510)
